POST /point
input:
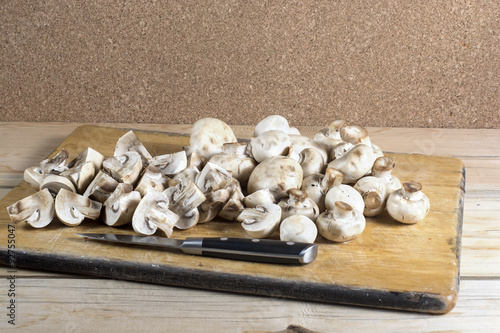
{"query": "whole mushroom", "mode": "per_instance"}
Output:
(298, 203)
(269, 144)
(208, 136)
(342, 223)
(298, 228)
(409, 204)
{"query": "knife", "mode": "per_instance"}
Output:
(247, 249)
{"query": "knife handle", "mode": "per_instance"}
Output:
(258, 250)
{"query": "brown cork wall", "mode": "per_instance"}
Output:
(377, 63)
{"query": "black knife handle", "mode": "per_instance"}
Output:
(257, 250)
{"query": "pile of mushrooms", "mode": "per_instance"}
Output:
(278, 181)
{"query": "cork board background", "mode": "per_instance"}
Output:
(377, 63)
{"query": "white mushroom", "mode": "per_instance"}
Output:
(81, 175)
(184, 201)
(185, 176)
(409, 204)
(208, 136)
(234, 206)
(382, 168)
(213, 204)
(341, 224)
(317, 185)
(101, 187)
(311, 161)
(372, 189)
(239, 164)
(171, 164)
(273, 122)
(120, 206)
(356, 134)
(301, 142)
(195, 160)
(355, 163)
(36, 174)
(153, 213)
(212, 178)
(258, 198)
(298, 203)
(124, 168)
(37, 209)
(298, 228)
(261, 221)
(345, 193)
(54, 183)
(72, 208)
(130, 142)
(329, 137)
(88, 155)
(151, 180)
(269, 144)
(278, 174)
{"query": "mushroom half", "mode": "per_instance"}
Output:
(153, 213)
(261, 221)
(37, 209)
(72, 208)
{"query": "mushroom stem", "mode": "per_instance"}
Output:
(382, 167)
(342, 210)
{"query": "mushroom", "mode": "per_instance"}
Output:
(187, 175)
(345, 193)
(81, 175)
(196, 160)
(270, 143)
(355, 163)
(130, 142)
(340, 149)
(212, 178)
(298, 228)
(382, 168)
(329, 137)
(171, 164)
(208, 135)
(341, 224)
(278, 174)
(409, 204)
(298, 203)
(120, 206)
(258, 198)
(317, 185)
(151, 180)
(35, 174)
(54, 183)
(311, 161)
(72, 208)
(234, 205)
(152, 214)
(184, 201)
(37, 209)
(101, 187)
(88, 155)
(261, 221)
(237, 162)
(301, 142)
(372, 189)
(213, 204)
(273, 122)
(356, 134)
(125, 168)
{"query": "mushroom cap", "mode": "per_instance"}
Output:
(270, 143)
(37, 209)
(120, 206)
(298, 228)
(54, 183)
(212, 178)
(261, 221)
(298, 203)
(374, 194)
(240, 166)
(346, 194)
(258, 198)
(153, 213)
(311, 160)
(354, 134)
(208, 136)
(301, 142)
(88, 155)
(35, 175)
(273, 122)
(278, 174)
(409, 204)
(341, 224)
(72, 208)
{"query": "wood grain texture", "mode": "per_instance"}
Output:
(413, 267)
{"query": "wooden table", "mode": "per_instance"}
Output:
(58, 302)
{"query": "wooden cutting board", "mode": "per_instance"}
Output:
(390, 265)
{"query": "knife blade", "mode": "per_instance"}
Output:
(247, 249)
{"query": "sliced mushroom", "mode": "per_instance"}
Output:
(101, 187)
(240, 166)
(120, 206)
(212, 178)
(372, 189)
(54, 183)
(213, 204)
(196, 160)
(152, 214)
(278, 174)
(382, 168)
(72, 208)
(298, 203)
(409, 204)
(184, 201)
(298, 228)
(329, 137)
(354, 164)
(151, 180)
(185, 176)
(36, 174)
(81, 175)
(88, 155)
(234, 206)
(273, 122)
(259, 197)
(171, 164)
(125, 168)
(37, 209)
(208, 136)
(130, 142)
(341, 224)
(261, 221)
(269, 144)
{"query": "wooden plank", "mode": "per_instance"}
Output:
(90, 305)
(372, 270)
